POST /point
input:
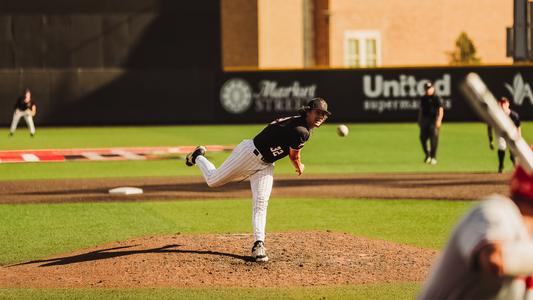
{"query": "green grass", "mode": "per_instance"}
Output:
(33, 231)
(372, 291)
(95, 137)
(368, 148)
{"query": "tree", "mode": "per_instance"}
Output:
(465, 51)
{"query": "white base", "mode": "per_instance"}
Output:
(126, 191)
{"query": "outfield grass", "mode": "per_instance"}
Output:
(372, 291)
(368, 148)
(33, 231)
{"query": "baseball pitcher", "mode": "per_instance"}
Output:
(254, 158)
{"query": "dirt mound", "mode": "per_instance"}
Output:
(222, 260)
(441, 186)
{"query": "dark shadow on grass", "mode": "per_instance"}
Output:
(108, 253)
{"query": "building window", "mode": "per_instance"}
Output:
(352, 53)
(362, 49)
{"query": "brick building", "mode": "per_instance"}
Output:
(363, 33)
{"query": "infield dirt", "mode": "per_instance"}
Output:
(440, 186)
(296, 259)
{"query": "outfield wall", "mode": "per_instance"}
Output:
(101, 62)
(196, 96)
(132, 34)
(365, 95)
(112, 96)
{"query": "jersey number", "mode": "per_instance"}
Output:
(276, 151)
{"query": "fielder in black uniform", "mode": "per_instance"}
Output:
(502, 144)
(26, 108)
(255, 159)
(430, 117)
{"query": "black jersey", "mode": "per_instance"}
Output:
(429, 106)
(276, 139)
(21, 105)
(515, 118)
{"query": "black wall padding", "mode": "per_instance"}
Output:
(109, 33)
(366, 95)
(105, 62)
(100, 97)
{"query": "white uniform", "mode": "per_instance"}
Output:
(255, 159)
(501, 143)
(27, 114)
(456, 274)
(243, 163)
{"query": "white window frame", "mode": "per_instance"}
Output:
(362, 36)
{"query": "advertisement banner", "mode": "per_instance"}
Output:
(365, 95)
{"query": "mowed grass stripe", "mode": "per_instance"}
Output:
(34, 231)
(368, 148)
(393, 291)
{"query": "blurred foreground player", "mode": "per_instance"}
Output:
(490, 253)
(255, 159)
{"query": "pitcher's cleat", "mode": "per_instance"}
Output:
(259, 252)
(190, 160)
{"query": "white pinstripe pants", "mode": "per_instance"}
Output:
(243, 163)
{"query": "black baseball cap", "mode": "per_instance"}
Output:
(428, 84)
(318, 104)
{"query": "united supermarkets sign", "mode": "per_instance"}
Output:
(401, 93)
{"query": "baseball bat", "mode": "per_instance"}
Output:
(485, 105)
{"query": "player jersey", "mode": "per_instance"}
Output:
(515, 118)
(21, 105)
(429, 105)
(274, 141)
(456, 274)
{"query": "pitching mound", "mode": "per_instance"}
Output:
(222, 260)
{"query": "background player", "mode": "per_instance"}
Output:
(255, 159)
(502, 145)
(430, 117)
(24, 107)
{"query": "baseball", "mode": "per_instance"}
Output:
(342, 130)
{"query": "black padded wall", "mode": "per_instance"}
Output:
(103, 62)
(109, 33)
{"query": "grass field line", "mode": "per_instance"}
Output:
(99, 154)
(169, 149)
